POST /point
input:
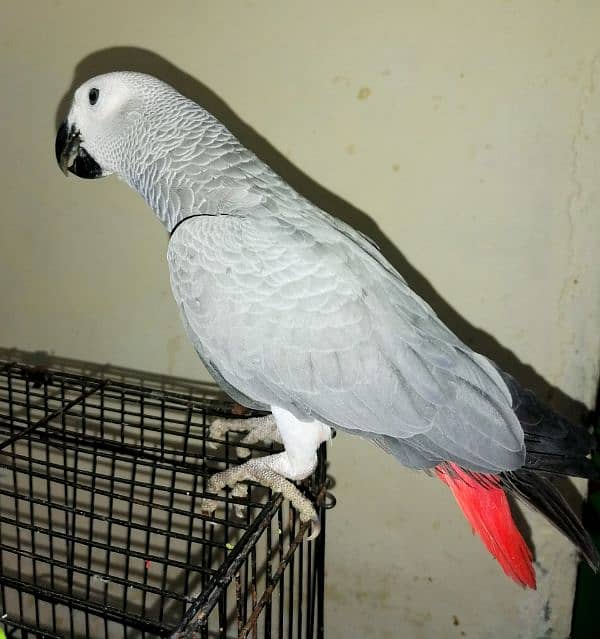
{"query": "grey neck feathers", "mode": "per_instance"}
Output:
(178, 159)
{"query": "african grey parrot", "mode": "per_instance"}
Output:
(296, 313)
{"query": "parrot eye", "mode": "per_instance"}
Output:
(93, 96)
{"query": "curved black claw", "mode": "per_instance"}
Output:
(315, 528)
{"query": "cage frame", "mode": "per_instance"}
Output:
(196, 619)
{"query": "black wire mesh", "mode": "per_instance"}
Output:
(100, 529)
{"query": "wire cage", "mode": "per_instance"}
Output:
(101, 534)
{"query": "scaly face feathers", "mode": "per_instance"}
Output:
(110, 118)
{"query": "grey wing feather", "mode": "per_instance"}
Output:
(290, 307)
(232, 391)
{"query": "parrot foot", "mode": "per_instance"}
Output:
(258, 429)
(301, 438)
(259, 471)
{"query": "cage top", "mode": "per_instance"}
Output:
(100, 483)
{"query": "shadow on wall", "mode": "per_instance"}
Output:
(142, 60)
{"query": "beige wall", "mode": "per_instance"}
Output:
(464, 134)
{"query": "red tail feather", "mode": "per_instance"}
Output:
(484, 504)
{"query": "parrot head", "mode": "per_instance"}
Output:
(104, 123)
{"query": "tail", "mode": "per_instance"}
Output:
(540, 493)
(484, 504)
(553, 447)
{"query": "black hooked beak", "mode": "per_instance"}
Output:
(71, 156)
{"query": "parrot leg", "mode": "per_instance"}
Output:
(301, 440)
(258, 429)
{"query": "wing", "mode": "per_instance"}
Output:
(295, 309)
